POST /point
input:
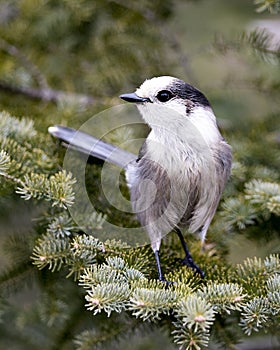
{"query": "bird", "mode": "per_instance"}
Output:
(177, 179)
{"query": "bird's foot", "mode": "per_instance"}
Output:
(188, 261)
(167, 283)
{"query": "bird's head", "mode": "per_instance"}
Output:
(168, 92)
(171, 103)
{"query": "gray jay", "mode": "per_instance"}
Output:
(178, 177)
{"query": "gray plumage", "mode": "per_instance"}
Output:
(182, 168)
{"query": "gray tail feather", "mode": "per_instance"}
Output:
(88, 144)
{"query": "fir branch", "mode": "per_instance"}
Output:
(262, 198)
(84, 245)
(260, 41)
(273, 284)
(237, 213)
(224, 297)
(51, 252)
(108, 297)
(76, 265)
(273, 6)
(264, 173)
(20, 158)
(43, 92)
(84, 251)
(185, 281)
(5, 162)
(20, 271)
(196, 313)
(94, 339)
(150, 305)
(61, 189)
(17, 139)
(16, 277)
(265, 195)
(57, 188)
(140, 258)
(254, 273)
(116, 263)
(272, 263)
(95, 275)
(254, 315)
(167, 35)
(113, 245)
(114, 270)
(32, 186)
(132, 275)
(53, 312)
(238, 171)
(273, 294)
(188, 339)
(19, 129)
(48, 95)
(61, 225)
(226, 332)
(108, 337)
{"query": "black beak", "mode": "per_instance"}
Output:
(134, 98)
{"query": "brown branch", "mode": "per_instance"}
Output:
(43, 92)
(47, 94)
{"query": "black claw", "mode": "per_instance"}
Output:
(188, 261)
(167, 283)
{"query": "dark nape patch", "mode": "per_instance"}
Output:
(188, 92)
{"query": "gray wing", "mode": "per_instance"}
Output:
(214, 185)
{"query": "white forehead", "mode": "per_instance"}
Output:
(151, 87)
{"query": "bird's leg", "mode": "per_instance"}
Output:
(160, 274)
(188, 260)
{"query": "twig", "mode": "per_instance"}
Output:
(47, 94)
(43, 92)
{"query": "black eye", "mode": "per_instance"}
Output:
(164, 96)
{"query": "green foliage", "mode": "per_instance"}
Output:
(116, 286)
(108, 297)
(17, 140)
(51, 252)
(255, 273)
(187, 339)
(264, 195)
(225, 297)
(259, 201)
(196, 313)
(60, 63)
(272, 6)
(150, 304)
(5, 162)
(102, 33)
(59, 188)
(116, 277)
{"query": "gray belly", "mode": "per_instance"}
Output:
(162, 199)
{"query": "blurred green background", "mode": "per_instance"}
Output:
(63, 61)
